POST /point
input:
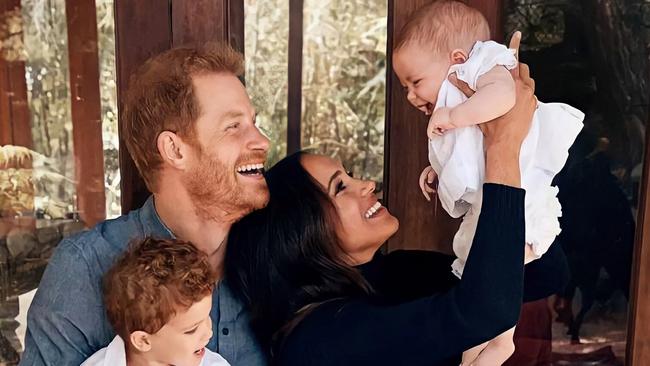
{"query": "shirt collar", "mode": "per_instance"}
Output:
(152, 225)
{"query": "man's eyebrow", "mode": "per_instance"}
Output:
(329, 184)
(232, 115)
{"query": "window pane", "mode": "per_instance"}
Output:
(343, 83)
(38, 165)
(266, 50)
(108, 90)
(48, 90)
(592, 55)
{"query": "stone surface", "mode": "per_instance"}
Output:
(20, 242)
(49, 235)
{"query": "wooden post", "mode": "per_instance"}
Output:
(86, 110)
(638, 338)
(294, 98)
(15, 127)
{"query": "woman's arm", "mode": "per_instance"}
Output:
(434, 329)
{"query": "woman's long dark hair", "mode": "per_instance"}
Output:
(285, 257)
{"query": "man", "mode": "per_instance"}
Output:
(190, 128)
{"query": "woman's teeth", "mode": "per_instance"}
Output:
(372, 210)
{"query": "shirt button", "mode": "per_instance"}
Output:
(225, 331)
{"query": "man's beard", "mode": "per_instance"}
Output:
(216, 194)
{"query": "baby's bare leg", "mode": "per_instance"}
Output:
(471, 354)
(497, 351)
(529, 254)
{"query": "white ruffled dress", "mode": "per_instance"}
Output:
(458, 158)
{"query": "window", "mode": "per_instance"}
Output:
(343, 71)
(58, 142)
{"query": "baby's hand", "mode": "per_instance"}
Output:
(427, 177)
(439, 122)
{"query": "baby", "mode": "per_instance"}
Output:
(448, 37)
(158, 297)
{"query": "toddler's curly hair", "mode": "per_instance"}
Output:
(151, 281)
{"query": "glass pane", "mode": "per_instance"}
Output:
(592, 55)
(108, 92)
(48, 91)
(38, 196)
(266, 50)
(343, 82)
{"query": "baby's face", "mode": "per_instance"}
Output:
(421, 73)
(183, 339)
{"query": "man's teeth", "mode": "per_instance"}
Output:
(372, 210)
(250, 168)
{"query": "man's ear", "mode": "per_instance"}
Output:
(172, 149)
(141, 341)
(457, 56)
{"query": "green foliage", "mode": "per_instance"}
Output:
(343, 85)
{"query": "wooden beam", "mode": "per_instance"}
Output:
(198, 21)
(142, 29)
(86, 110)
(236, 24)
(294, 99)
(15, 126)
(638, 338)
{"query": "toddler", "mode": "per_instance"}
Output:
(448, 37)
(158, 297)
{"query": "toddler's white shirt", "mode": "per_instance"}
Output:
(115, 355)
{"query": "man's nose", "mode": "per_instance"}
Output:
(259, 141)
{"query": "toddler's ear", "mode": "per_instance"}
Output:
(458, 56)
(141, 341)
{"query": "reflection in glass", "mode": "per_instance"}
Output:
(343, 83)
(37, 189)
(266, 50)
(108, 92)
(591, 55)
(46, 72)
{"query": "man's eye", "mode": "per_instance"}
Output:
(350, 173)
(233, 126)
(416, 82)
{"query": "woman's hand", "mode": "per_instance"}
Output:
(504, 135)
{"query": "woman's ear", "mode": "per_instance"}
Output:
(172, 149)
(141, 341)
(457, 56)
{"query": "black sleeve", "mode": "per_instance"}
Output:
(430, 330)
(546, 276)
(411, 274)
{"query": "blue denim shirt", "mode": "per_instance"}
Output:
(67, 322)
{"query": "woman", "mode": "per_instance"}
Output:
(305, 266)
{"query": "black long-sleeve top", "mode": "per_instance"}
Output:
(387, 329)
